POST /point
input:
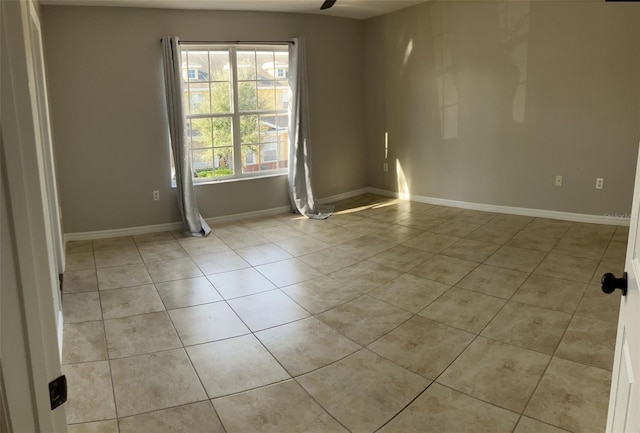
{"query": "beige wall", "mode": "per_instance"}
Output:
(530, 90)
(108, 111)
(484, 102)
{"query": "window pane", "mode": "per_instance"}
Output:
(283, 140)
(199, 98)
(202, 162)
(283, 127)
(223, 161)
(250, 159)
(282, 64)
(219, 64)
(268, 128)
(248, 129)
(247, 98)
(246, 65)
(198, 62)
(222, 132)
(186, 98)
(282, 95)
(185, 66)
(220, 98)
(201, 133)
(265, 63)
(267, 95)
(269, 154)
(189, 133)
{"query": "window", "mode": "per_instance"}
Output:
(236, 100)
(270, 153)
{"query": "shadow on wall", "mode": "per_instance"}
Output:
(459, 92)
(485, 102)
(457, 62)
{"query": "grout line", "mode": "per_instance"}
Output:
(393, 242)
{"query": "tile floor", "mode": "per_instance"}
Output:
(390, 316)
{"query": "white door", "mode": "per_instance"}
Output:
(29, 342)
(47, 165)
(624, 404)
(46, 137)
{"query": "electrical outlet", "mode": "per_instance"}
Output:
(156, 195)
(600, 183)
(558, 180)
(385, 166)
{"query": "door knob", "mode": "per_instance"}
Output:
(610, 283)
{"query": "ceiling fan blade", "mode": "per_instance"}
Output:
(327, 4)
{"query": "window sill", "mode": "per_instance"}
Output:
(235, 179)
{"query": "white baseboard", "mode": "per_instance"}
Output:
(247, 215)
(141, 230)
(115, 233)
(539, 213)
(343, 196)
(383, 192)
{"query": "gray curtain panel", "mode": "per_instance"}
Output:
(193, 221)
(300, 191)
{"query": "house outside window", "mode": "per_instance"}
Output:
(236, 103)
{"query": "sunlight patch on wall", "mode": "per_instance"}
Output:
(514, 23)
(407, 53)
(386, 145)
(403, 186)
(445, 78)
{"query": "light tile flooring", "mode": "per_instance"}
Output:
(390, 316)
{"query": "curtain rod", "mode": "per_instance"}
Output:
(236, 42)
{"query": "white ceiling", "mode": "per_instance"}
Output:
(359, 9)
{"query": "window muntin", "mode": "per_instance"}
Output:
(236, 101)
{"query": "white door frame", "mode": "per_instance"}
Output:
(51, 180)
(37, 80)
(29, 365)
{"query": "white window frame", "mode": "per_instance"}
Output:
(235, 114)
